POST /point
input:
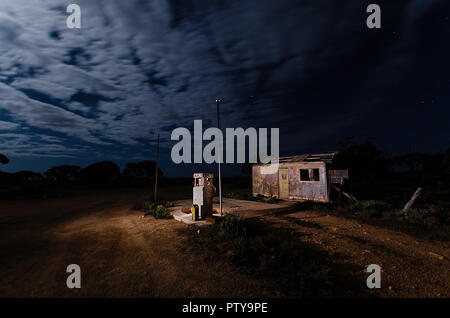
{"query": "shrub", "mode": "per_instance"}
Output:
(370, 208)
(372, 205)
(160, 210)
(412, 214)
(234, 229)
(438, 211)
(233, 226)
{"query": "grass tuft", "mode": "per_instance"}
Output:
(159, 210)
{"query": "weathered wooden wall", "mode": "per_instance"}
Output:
(308, 190)
(267, 184)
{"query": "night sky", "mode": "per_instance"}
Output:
(309, 67)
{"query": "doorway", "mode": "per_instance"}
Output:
(283, 180)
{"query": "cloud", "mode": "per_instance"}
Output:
(5, 125)
(39, 145)
(141, 67)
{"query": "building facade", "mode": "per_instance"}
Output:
(303, 177)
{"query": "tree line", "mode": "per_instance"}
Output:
(99, 173)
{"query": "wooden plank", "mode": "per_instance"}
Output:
(351, 197)
(413, 199)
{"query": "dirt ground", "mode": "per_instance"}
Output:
(410, 267)
(122, 254)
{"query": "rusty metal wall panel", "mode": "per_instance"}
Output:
(267, 184)
(309, 190)
(264, 184)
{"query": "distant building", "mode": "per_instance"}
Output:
(302, 177)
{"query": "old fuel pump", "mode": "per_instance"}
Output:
(203, 193)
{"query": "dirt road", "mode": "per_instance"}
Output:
(122, 254)
(410, 267)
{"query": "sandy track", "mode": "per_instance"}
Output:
(411, 267)
(122, 254)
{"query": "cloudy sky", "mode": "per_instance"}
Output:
(311, 68)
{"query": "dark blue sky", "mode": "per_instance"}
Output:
(311, 68)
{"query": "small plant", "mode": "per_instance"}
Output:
(234, 229)
(372, 205)
(169, 204)
(438, 211)
(160, 210)
(233, 226)
(371, 208)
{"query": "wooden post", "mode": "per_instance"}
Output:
(341, 184)
(413, 199)
(328, 174)
(156, 172)
(218, 159)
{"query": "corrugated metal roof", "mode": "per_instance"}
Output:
(325, 157)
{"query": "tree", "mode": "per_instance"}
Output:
(144, 170)
(364, 161)
(446, 162)
(63, 174)
(437, 164)
(3, 159)
(413, 160)
(25, 176)
(104, 172)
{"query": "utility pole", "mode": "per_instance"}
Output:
(218, 159)
(156, 172)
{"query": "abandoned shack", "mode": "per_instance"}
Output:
(302, 177)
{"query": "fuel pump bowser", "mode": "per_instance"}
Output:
(203, 192)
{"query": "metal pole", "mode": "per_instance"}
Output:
(219, 154)
(156, 173)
